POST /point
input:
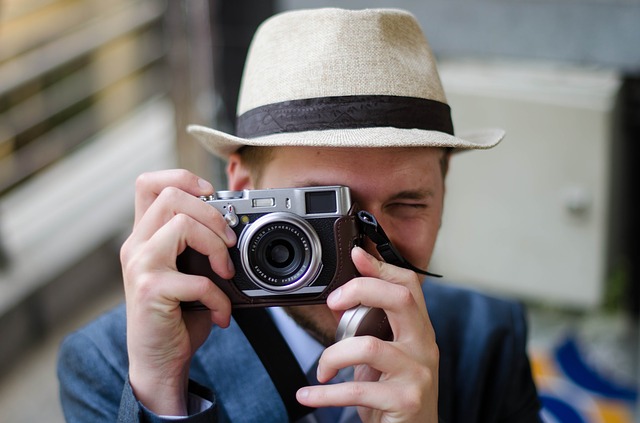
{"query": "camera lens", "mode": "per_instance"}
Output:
(280, 252)
(282, 255)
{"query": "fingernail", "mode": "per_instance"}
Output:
(231, 235)
(335, 295)
(230, 266)
(363, 251)
(205, 185)
(303, 393)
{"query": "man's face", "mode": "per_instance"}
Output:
(402, 187)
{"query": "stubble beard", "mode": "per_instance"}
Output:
(316, 320)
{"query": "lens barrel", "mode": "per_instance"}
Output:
(280, 252)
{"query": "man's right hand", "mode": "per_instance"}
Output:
(161, 338)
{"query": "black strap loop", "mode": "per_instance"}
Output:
(389, 253)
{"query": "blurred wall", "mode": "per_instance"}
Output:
(587, 32)
(83, 111)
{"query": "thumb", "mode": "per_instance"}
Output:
(370, 266)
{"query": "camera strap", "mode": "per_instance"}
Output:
(388, 252)
(276, 357)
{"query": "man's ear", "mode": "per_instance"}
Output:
(238, 174)
(444, 161)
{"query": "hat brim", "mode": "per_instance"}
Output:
(223, 145)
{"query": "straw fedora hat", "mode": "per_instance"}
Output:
(341, 78)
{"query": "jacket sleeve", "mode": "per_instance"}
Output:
(94, 386)
(131, 410)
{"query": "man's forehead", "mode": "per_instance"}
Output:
(352, 156)
(389, 172)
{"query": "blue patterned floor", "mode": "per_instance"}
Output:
(575, 390)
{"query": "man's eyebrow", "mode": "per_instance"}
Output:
(309, 183)
(419, 194)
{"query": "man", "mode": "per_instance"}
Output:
(329, 97)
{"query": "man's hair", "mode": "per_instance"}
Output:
(255, 158)
(444, 161)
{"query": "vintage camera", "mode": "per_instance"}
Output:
(293, 246)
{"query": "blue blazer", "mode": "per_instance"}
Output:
(484, 371)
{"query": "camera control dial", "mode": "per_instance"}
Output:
(231, 217)
(228, 195)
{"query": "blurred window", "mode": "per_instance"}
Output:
(68, 69)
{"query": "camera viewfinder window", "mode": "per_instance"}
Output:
(321, 202)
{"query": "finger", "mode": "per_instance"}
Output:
(373, 395)
(173, 201)
(377, 354)
(403, 386)
(150, 185)
(183, 230)
(163, 286)
(159, 253)
(187, 288)
(371, 292)
(368, 265)
(164, 291)
(408, 317)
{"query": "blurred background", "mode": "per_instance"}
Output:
(93, 93)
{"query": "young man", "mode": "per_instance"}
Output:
(329, 97)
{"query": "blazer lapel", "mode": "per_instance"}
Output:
(244, 392)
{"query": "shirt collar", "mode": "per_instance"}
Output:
(303, 346)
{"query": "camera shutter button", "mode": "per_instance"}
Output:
(231, 217)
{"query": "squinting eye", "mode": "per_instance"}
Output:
(407, 209)
(410, 205)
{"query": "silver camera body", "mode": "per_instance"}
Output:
(293, 244)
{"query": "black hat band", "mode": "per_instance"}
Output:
(345, 112)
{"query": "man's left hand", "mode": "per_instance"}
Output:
(395, 381)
